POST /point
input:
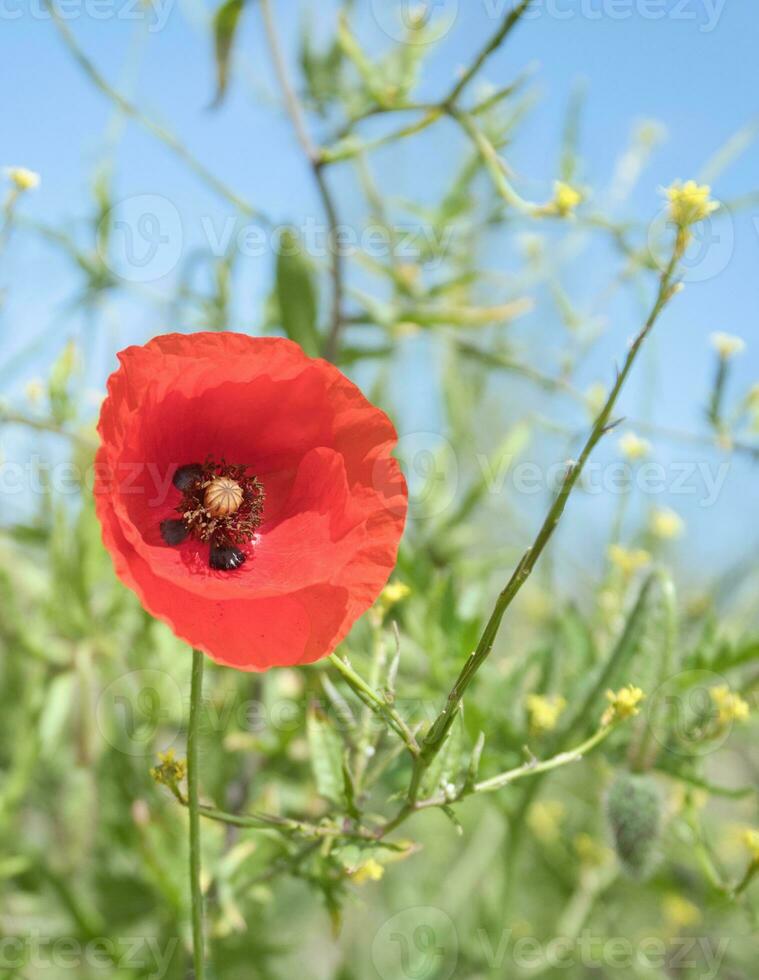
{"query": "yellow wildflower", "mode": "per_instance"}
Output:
(595, 397)
(544, 819)
(170, 771)
(565, 199)
(679, 912)
(622, 704)
(370, 870)
(690, 202)
(727, 345)
(633, 447)
(590, 851)
(750, 839)
(666, 524)
(544, 711)
(628, 560)
(393, 593)
(22, 178)
(730, 706)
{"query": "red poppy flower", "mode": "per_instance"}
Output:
(248, 495)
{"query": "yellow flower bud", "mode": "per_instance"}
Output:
(623, 704)
(633, 447)
(666, 524)
(22, 178)
(544, 711)
(690, 202)
(727, 345)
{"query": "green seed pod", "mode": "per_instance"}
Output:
(633, 809)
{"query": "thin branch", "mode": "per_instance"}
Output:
(155, 129)
(436, 736)
(532, 767)
(507, 25)
(374, 702)
(317, 162)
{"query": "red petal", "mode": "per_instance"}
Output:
(336, 500)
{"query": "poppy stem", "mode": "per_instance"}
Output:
(196, 896)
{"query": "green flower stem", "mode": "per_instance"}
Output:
(437, 734)
(268, 821)
(196, 896)
(504, 29)
(316, 161)
(493, 163)
(374, 702)
(533, 767)
(162, 134)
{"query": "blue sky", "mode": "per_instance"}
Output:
(690, 64)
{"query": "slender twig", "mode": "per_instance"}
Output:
(45, 425)
(287, 825)
(532, 767)
(317, 162)
(507, 25)
(436, 736)
(196, 895)
(160, 132)
(374, 702)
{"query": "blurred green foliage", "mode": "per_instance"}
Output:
(93, 866)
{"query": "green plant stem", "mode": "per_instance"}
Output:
(46, 425)
(162, 134)
(436, 735)
(374, 702)
(316, 161)
(533, 767)
(493, 163)
(196, 895)
(507, 25)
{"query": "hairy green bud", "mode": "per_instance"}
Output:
(633, 809)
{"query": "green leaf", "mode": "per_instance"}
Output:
(326, 755)
(225, 24)
(296, 293)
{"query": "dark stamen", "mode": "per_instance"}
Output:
(174, 532)
(185, 476)
(224, 558)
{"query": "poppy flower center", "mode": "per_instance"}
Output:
(221, 505)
